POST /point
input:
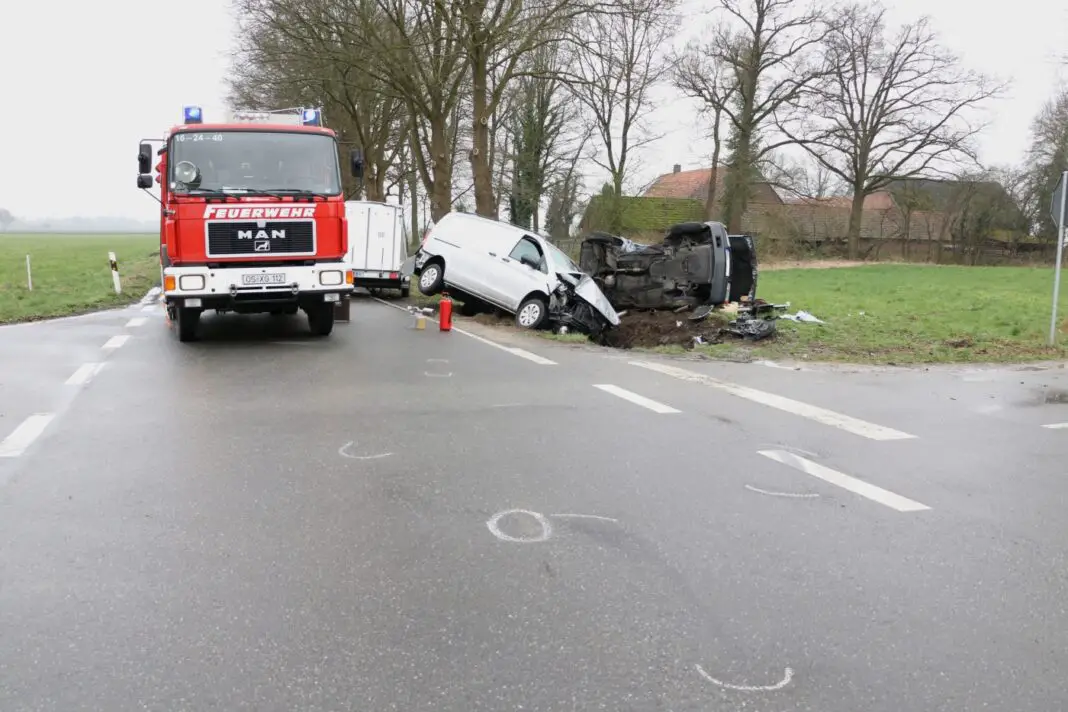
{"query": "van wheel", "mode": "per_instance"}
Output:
(405, 292)
(531, 313)
(432, 279)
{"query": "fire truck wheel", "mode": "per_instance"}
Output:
(188, 320)
(321, 318)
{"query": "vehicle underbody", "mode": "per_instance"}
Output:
(695, 264)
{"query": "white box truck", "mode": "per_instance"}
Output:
(377, 245)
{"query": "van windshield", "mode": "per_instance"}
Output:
(559, 259)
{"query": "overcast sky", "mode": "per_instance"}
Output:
(77, 100)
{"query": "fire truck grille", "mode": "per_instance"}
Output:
(246, 238)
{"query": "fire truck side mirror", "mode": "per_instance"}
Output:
(144, 158)
(144, 181)
(356, 163)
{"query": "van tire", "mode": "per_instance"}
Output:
(405, 292)
(531, 313)
(432, 278)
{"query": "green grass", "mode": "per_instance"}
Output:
(913, 314)
(902, 314)
(71, 274)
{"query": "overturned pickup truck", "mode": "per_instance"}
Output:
(696, 264)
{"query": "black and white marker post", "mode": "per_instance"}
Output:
(1057, 212)
(115, 273)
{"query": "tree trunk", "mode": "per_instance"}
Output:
(738, 183)
(713, 177)
(441, 197)
(485, 201)
(856, 218)
(413, 191)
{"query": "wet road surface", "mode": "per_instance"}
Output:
(393, 519)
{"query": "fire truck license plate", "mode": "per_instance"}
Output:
(276, 278)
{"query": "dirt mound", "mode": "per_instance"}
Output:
(649, 329)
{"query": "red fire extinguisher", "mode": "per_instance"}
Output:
(445, 312)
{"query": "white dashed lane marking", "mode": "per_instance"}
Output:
(116, 342)
(812, 412)
(136, 321)
(84, 374)
(864, 489)
(24, 435)
(636, 399)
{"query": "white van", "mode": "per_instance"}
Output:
(377, 245)
(477, 259)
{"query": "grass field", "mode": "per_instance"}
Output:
(914, 313)
(905, 314)
(71, 273)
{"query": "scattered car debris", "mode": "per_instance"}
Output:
(704, 326)
(804, 316)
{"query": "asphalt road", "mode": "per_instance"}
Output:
(268, 521)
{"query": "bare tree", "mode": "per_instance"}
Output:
(887, 108)
(617, 62)
(313, 52)
(538, 131)
(1046, 158)
(805, 178)
(770, 46)
(702, 74)
(497, 37)
(421, 61)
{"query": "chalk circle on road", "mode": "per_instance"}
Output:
(344, 452)
(545, 527)
(788, 675)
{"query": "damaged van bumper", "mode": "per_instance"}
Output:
(578, 304)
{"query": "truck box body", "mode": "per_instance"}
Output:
(377, 244)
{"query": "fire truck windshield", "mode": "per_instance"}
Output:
(254, 161)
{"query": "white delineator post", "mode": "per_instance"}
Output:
(115, 273)
(29, 274)
(1057, 265)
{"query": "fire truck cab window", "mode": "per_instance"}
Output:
(256, 160)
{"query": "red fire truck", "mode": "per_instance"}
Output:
(252, 216)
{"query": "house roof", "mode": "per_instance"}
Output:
(684, 184)
(693, 184)
(879, 200)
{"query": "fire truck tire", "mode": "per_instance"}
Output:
(188, 321)
(321, 318)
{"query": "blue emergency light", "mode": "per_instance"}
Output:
(311, 117)
(193, 115)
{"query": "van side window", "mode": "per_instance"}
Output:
(529, 248)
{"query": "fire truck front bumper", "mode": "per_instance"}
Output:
(256, 289)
